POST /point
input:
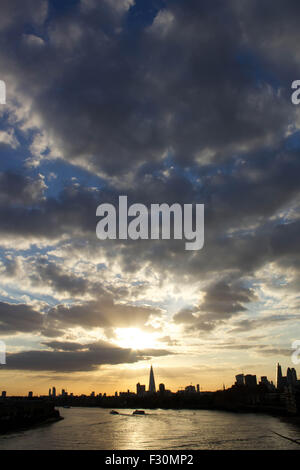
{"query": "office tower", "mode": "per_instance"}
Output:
(279, 383)
(162, 388)
(284, 382)
(264, 380)
(30, 394)
(240, 379)
(289, 376)
(3, 395)
(140, 389)
(250, 380)
(49, 393)
(53, 392)
(198, 388)
(294, 375)
(152, 388)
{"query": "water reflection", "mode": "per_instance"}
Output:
(95, 428)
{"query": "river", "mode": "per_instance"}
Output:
(96, 428)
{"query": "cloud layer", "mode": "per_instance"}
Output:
(185, 102)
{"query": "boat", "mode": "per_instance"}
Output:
(66, 406)
(113, 412)
(138, 412)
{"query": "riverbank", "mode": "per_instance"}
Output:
(24, 414)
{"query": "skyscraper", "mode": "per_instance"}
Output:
(240, 379)
(152, 388)
(140, 389)
(279, 376)
(250, 380)
(289, 376)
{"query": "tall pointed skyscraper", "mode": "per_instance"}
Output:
(279, 376)
(152, 388)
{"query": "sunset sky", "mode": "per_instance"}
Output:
(163, 101)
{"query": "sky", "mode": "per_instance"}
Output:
(162, 101)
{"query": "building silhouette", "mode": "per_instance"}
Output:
(290, 380)
(279, 381)
(140, 389)
(190, 389)
(291, 376)
(250, 380)
(240, 379)
(152, 388)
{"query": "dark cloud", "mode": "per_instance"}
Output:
(17, 189)
(54, 276)
(15, 318)
(223, 300)
(65, 345)
(66, 358)
(102, 313)
(14, 14)
(193, 107)
(114, 102)
(220, 303)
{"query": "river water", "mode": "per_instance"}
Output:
(96, 428)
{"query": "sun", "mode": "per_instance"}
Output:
(134, 338)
